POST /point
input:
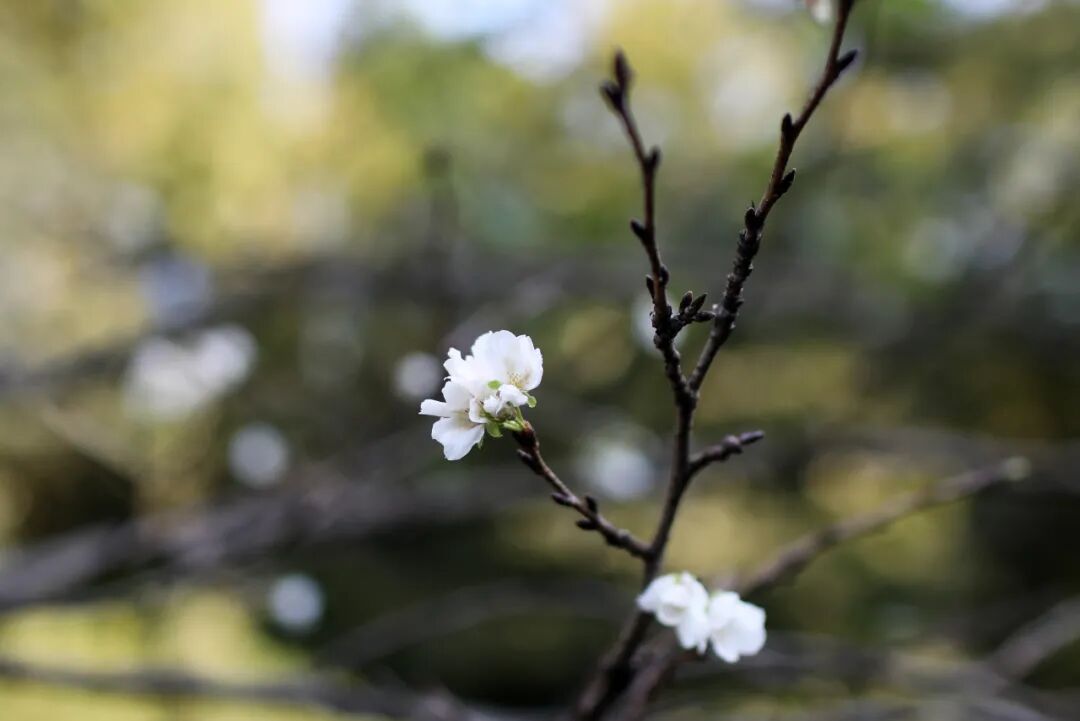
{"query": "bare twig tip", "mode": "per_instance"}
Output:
(687, 299)
(621, 70)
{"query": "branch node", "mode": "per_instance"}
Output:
(845, 61)
(652, 160)
(751, 218)
(787, 126)
(612, 95)
(786, 182)
(562, 500)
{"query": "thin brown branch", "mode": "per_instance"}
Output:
(1037, 641)
(780, 181)
(586, 506)
(205, 539)
(666, 326)
(615, 670)
(796, 556)
(297, 691)
(725, 449)
(468, 607)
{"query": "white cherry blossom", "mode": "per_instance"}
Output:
(733, 627)
(736, 628)
(485, 391)
(680, 601)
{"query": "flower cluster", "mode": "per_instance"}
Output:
(732, 626)
(485, 391)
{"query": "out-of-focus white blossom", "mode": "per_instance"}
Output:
(296, 602)
(258, 455)
(416, 375)
(823, 11)
(733, 627)
(616, 461)
(167, 379)
(736, 628)
(485, 391)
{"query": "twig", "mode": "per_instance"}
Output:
(586, 506)
(666, 326)
(730, 446)
(61, 568)
(793, 558)
(780, 181)
(298, 691)
(466, 608)
(1035, 642)
(790, 656)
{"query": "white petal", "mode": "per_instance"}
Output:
(723, 606)
(748, 628)
(512, 396)
(672, 611)
(455, 365)
(532, 363)
(750, 615)
(698, 595)
(495, 344)
(476, 411)
(693, 631)
(434, 408)
(724, 647)
(493, 405)
(749, 639)
(671, 597)
(649, 600)
(457, 436)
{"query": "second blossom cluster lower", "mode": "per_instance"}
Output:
(733, 627)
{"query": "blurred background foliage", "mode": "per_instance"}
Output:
(238, 238)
